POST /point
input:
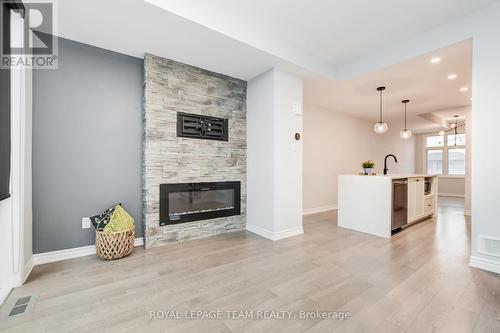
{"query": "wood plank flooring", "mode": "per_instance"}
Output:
(419, 281)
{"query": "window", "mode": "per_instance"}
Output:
(435, 141)
(435, 162)
(446, 156)
(456, 161)
(456, 140)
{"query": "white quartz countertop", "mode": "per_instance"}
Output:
(396, 176)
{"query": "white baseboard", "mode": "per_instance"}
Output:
(48, 257)
(452, 195)
(485, 264)
(4, 293)
(467, 212)
(274, 236)
(27, 269)
(317, 210)
(288, 233)
(139, 241)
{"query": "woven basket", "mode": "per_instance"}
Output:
(115, 245)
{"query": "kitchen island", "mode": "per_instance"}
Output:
(385, 204)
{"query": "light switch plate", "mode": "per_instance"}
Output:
(297, 109)
(85, 223)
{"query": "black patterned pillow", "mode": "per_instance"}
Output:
(100, 221)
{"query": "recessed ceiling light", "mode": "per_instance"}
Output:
(464, 89)
(435, 60)
(452, 76)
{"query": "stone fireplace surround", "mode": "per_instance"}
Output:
(171, 87)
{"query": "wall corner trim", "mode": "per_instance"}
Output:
(27, 269)
(316, 210)
(485, 264)
(274, 236)
(4, 294)
(53, 256)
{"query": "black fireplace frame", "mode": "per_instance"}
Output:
(165, 189)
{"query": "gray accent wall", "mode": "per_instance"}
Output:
(87, 143)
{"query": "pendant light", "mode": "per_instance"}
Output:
(452, 133)
(380, 127)
(455, 128)
(405, 133)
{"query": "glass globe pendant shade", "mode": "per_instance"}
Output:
(405, 134)
(380, 127)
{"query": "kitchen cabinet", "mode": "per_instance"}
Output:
(429, 204)
(382, 205)
(416, 199)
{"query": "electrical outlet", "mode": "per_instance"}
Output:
(85, 223)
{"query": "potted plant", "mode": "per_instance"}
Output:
(368, 166)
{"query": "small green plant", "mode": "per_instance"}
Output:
(368, 164)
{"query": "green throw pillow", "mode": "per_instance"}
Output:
(120, 221)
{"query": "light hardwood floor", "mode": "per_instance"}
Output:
(419, 281)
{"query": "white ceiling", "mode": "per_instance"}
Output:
(336, 31)
(425, 84)
(245, 38)
(135, 27)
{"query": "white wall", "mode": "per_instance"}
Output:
(485, 159)
(391, 143)
(26, 168)
(5, 248)
(336, 143)
(260, 150)
(451, 186)
(16, 212)
(468, 165)
(21, 180)
(287, 152)
(274, 157)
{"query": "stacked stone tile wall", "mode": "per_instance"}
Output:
(171, 87)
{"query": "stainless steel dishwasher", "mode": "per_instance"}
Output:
(399, 203)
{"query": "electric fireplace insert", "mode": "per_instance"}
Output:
(187, 202)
